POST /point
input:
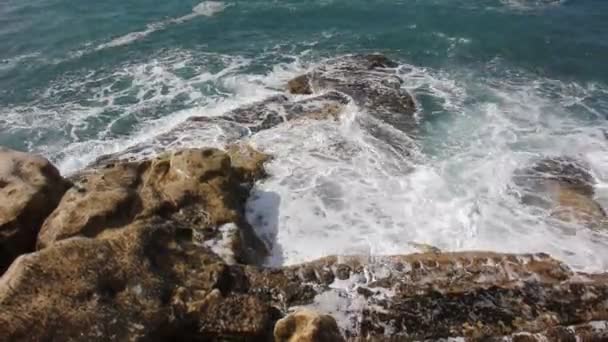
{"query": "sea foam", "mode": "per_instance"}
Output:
(205, 8)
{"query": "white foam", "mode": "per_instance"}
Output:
(337, 190)
(93, 128)
(530, 4)
(209, 8)
(205, 8)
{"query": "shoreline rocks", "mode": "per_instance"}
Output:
(201, 190)
(164, 286)
(565, 188)
(162, 243)
(307, 326)
(30, 189)
(157, 248)
(237, 124)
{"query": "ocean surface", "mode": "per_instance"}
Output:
(499, 83)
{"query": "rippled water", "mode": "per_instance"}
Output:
(499, 83)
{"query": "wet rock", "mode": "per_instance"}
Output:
(279, 109)
(476, 295)
(342, 272)
(370, 80)
(247, 161)
(189, 134)
(565, 188)
(30, 189)
(300, 85)
(237, 315)
(163, 286)
(307, 326)
(201, 189)
(233, 126)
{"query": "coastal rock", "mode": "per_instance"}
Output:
(247, 161)
(430, 296)
(201, 189)
(187, 134)
(234, 125)
(159, 250)
(565, 188)
(144, 281)
(164, 286)
(370, 80)
(307, 326)
(30, 189)
(279, 109)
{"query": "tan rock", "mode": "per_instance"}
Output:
(300, 85)
(248, 161)
(307, 326)
(30, 189)
(147, 281)
(565, 188)
(573, 206)
(429, 296)
(199, 189)
(139, 282)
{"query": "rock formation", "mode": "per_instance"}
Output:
(237, 124)
(203, 190)
(369, 80)
(307, 326)
(30, 189)
(564, 187)
(152, 245)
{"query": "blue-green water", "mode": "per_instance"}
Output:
(499, 82)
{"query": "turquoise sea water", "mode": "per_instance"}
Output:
(499, 82)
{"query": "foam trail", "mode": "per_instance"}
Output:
(205, 8)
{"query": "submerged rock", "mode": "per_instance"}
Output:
(158, 250)
(201, 189)
(279, 109)
(30, 189)
(234, 125)
(565, 188)
(476, 295)
(370, 80)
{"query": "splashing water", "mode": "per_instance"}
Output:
(489, 104)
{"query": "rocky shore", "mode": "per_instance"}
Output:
(152, 244)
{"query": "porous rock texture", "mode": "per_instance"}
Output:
(30, 189)
(370, 81)
(200, 189)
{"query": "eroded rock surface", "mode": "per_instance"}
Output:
(164, 286)
(476, 295)
(236, 124)
(201, 189)
(144, 281)
(370, 80)
(307, 326)
(30, 189)
(565, 188)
